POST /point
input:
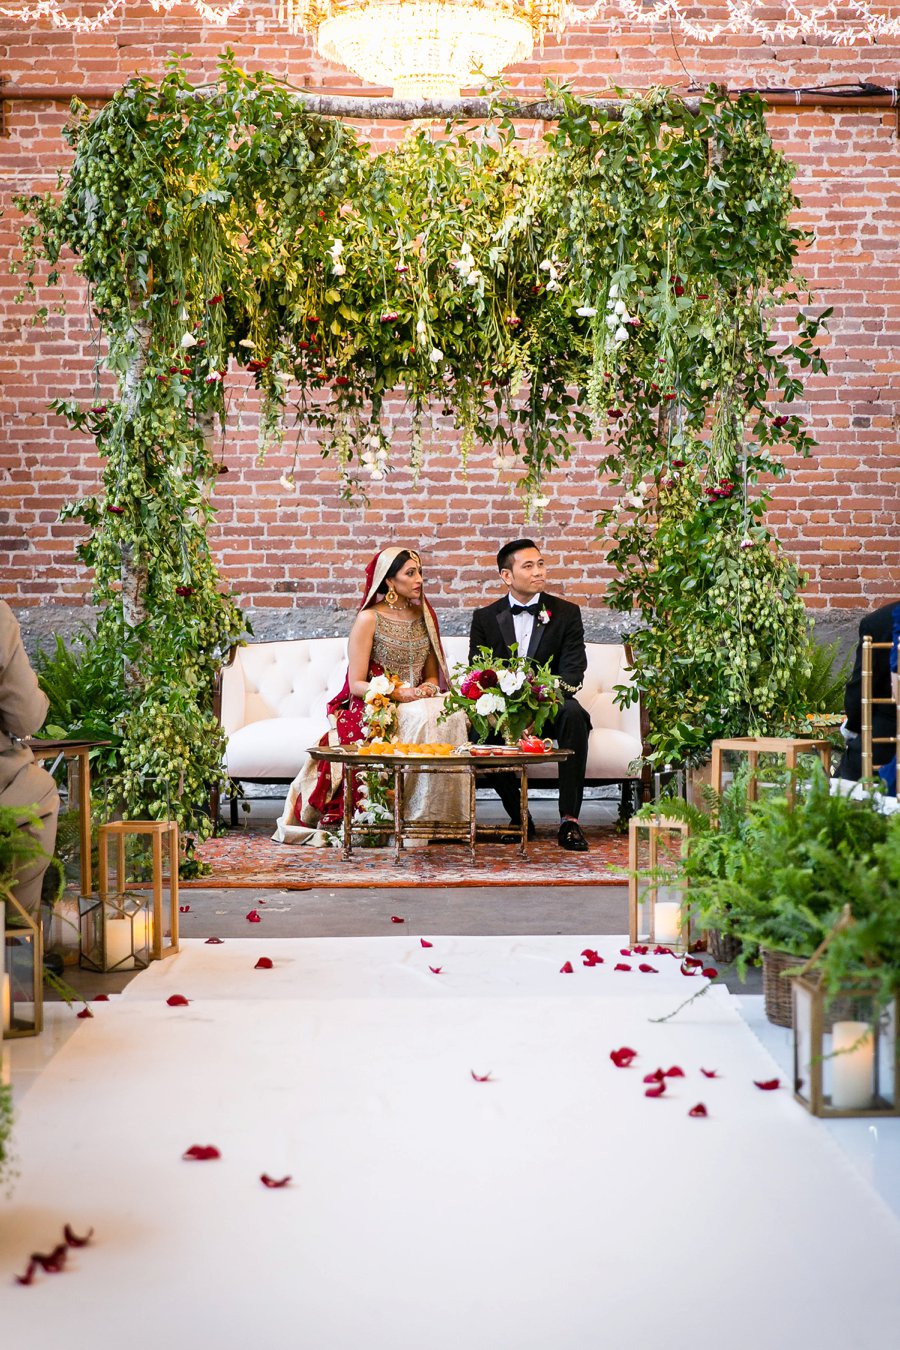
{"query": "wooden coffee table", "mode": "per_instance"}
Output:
(476, 763)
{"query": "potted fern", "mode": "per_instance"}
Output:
(775, 875)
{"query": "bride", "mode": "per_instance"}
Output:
(395, 633)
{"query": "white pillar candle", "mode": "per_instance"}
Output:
(118, 943)
(667, 916)
(852, 1064)
(6, 1004)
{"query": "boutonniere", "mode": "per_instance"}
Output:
(544, 615)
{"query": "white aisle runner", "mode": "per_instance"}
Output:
(554, 1207)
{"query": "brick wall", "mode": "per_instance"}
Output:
(291, 554)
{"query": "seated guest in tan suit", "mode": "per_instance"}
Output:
(23, 707)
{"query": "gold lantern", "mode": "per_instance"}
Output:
(658, 911)
(845, 1044)
(160, 834)
(116, 932)
(24, 967)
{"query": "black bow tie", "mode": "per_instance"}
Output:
(526, 609)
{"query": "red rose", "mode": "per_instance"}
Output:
(486, 678)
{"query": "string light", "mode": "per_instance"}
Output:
(433, 48)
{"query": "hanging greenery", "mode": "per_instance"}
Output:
(624, 283)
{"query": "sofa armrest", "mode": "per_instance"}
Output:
(228, 693)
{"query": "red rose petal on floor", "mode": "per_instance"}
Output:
(54, 1261)
(622, 1058)
(481, 1077)
(28, 1277)
(395, 918)
(74, 1240)
(663, 951)
(710, 1073)
(184, 909)
(177, 1001)
(100, 998)
(85, 1012)
(567, 969)
(264, 963)
(624, 951)
(656, 1091)
(621, 966)
(768, 1084)
(253, 917)
(201, 1153)
(272, 1183)
(647, 970)
(686, 970)
(691, 961)
(698, 1110)
(710, 972)
(592, 958)
(655, 1077)
(425, 944)
(674, 1072)
(436, 970)
(640, 949)
(214, 942)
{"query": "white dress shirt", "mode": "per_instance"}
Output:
(524, 624)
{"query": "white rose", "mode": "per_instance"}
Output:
(621, 307)
(188, 341)
(621, 334)
(489, 703)
(585, 311)
(511, 680)
(436, 355)
(380, 685)
(613, 291)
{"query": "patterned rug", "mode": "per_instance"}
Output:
(248, 857)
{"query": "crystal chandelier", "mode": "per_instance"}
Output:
(425, 48)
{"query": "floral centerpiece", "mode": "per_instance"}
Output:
(504, 696)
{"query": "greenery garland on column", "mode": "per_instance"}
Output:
(625, 282)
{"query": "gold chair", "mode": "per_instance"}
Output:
(867, 705)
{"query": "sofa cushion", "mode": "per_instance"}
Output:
(273, 747)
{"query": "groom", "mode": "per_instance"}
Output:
(546, 629)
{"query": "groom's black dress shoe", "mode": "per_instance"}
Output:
(572, 837)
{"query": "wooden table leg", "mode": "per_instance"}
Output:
(523, 811)
(84, 800)
(472, 824)
(398, 811)
(347, 780)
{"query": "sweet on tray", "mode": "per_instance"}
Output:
(430, 750)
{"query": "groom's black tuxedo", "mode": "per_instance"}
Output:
(559, 642)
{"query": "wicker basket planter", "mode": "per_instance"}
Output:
(777, 987)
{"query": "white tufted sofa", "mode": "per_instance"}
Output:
(273, 697)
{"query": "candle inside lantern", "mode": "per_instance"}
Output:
(667, 915)
(852, 1064)
(6, 1005)
(119, 955)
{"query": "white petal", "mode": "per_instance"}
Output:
(585, 311)
(621, 334)
(436, 355)
(188, 341)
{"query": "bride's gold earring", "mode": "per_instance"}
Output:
(392, 598)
